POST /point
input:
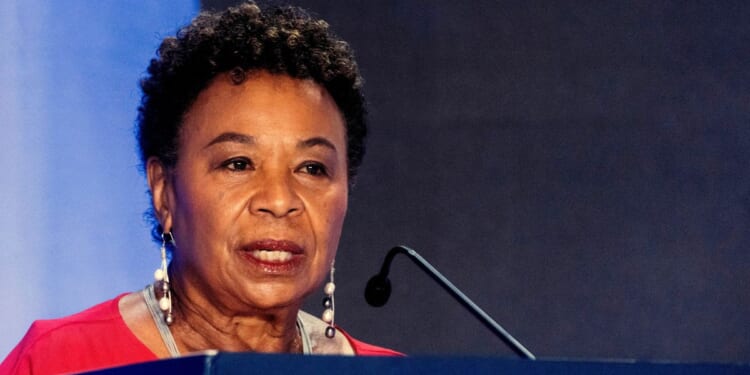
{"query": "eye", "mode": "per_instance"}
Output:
(315, 169)
(238, 164)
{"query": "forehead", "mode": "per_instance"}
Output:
(264, 105)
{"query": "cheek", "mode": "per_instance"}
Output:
(202, 212)
(218, 220)
(335, 212)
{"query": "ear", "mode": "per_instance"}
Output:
(160, 183)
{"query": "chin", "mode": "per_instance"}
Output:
(273, 297)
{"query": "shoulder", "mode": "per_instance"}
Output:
(340, 344)
(45, 332)
(365, 349)
(96, 337)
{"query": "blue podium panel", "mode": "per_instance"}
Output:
(218, 363)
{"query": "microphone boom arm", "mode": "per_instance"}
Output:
(459, 296)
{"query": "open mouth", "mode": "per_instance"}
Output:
(272, 256)
(275, 256)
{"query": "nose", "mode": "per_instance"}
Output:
(276, 196)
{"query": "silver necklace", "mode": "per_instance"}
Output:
(153, 308)
(168, 339)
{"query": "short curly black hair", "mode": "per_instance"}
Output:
(241, 40)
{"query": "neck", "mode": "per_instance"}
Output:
(202, 323)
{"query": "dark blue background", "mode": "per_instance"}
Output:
(580, 169)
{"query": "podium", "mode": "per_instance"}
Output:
(222, 363)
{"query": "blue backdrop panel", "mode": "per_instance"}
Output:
(71, 197)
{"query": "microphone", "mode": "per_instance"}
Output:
(378, 290)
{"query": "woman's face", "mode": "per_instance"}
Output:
(258, 196)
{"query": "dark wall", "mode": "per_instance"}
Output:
(580, 170)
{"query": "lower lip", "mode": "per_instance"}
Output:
(275, 268)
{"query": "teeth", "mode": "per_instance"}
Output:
(273, 256)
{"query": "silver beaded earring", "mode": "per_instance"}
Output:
(329, 305)
(162, 279)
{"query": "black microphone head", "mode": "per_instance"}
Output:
(378, 290)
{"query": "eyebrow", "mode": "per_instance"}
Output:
(316, 141)
(232, 137)
(250, 140)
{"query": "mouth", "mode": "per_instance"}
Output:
(271, 256)
(274, 256)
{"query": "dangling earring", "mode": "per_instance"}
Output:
(162, 279)
(329, 305)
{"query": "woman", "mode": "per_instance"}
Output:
(251, 129)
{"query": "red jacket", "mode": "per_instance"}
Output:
(93, 339)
